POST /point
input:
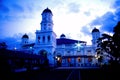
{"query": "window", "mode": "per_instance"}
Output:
(49, 24)
(48, 38)
(44, 19)
(43, 38)
(38, 39)
(89, 52)
(44, 28)
(79, 59)
(89, 59)
(44, 24)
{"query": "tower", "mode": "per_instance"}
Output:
(95, 36)
(47, 22)
(46, 38)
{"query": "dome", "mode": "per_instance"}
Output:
(47, 10)
(25, 36)
(95, 30)
(62, 36)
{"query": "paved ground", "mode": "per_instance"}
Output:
(64, 74)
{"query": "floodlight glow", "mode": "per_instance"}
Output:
(15, 48)
(78, 45)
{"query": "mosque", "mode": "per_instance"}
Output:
(63, 51)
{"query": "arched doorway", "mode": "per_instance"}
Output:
(43, 53)
(45, 61)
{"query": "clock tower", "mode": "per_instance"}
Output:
(46, 38)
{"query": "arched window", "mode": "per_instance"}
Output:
(79, 59)
(44, 28)
(38, 39)
(48, 38)
(89, 59)
(43, 39)
(69, 60)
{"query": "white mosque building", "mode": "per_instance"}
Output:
(62, 50)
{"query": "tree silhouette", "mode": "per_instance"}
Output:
(104, 45)
(3, 45)
(110, 44)
(116, 40)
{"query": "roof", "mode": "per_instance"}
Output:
(61, 41)
(25, 36)
(18, 54)
(95, 30)
(29, 45)
(47, 10)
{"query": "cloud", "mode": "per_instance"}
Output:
(117, 13)
(15, 41)
(11, 42)
(74, 7)
(85, 30)
(15, 17)
(17, 8)
(107, 21)
(13, 10)
(87, 13)
(3, 9)
(116, 4)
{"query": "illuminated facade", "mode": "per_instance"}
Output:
(62, 50)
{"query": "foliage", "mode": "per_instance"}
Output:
(116, 39)
(110, 44)
(3, 45)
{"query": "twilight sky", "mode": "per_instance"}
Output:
(74, 18)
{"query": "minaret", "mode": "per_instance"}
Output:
(46, 38)
(95, 36)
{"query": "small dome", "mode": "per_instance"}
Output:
(62, 36)
(47, 10)
(95, 30)
(25, 36)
